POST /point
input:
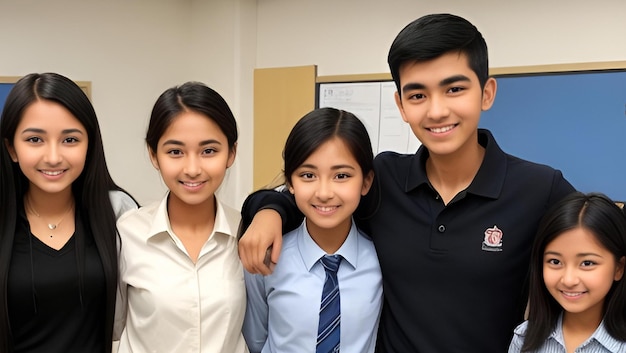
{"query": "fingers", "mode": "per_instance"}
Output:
(255, 246)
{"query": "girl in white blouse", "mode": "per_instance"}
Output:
(180, 271)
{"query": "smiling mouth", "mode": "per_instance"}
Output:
(572, 294)
(192, 185)
(326, 208)
(52, 172)
(439, 130)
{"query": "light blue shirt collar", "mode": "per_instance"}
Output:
(311, 252)
(600, 335)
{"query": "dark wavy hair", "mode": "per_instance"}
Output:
(604, 219)
(90, 189)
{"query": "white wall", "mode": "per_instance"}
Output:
(132, 50)
(353, 36)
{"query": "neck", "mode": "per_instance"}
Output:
(46, 204)
(582, 322)
(451, 174)
(329, 239)
(197, 215)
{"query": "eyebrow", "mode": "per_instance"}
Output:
(335, 167)
(42, 131)
(585, 254)
(201, 143)
(445, 82)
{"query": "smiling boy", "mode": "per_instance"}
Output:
(453, 223)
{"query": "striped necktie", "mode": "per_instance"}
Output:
(328, 331)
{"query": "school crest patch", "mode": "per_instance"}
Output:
(493, 239)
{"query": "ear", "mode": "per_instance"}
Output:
(399, 105)
(153, 158)
(11, 150)
(231, 155)
(619, 269)
(489, 93)
(367, 183)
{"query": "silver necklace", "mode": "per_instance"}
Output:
(51, 226)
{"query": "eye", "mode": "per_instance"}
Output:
(175, 153)
(70, 140)
(456, 89)
(307, 175)
(34, 139)
(553, 262)
(342, 176)
(209, 151)
(587, 263)
(416, 96)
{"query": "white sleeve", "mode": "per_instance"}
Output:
(121, 202)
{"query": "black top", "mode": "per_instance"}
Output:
(454, 276)
(48, 311)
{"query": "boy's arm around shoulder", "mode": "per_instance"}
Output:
(265, 216)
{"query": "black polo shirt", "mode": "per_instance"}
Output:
(454, 275)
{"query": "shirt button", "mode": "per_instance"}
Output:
(441, 228)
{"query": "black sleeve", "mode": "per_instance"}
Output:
(281, 201)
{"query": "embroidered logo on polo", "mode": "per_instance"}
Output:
(493, 239)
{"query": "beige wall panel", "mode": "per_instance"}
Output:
(281, 97)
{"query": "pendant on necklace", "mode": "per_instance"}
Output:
(52, 226)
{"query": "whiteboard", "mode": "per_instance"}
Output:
(374, 104)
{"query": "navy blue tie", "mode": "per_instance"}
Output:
(328, 332)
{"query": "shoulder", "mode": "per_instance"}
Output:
(521, 329)
(121, 202)
(390, 158)
(231, 215)
(290, 239)
(540, 178)
(138, 216)
(519, 335)
(365, 240)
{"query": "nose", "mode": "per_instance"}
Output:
(437, 108)
(53, 155)
(325, 190)
(570, 277)
(192, 166)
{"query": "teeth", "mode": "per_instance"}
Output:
(192, 184)
(52, 173)
(439, 130)
(572, 294)
(326, 208)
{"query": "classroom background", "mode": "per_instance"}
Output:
(133, 50)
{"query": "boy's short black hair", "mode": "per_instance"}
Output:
(431, 36)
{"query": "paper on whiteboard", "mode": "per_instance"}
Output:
(374, 104)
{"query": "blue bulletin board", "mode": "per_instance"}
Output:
(5, 88)
(572, 121)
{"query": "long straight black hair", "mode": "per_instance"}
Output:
(602, 217)
(90, 189)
